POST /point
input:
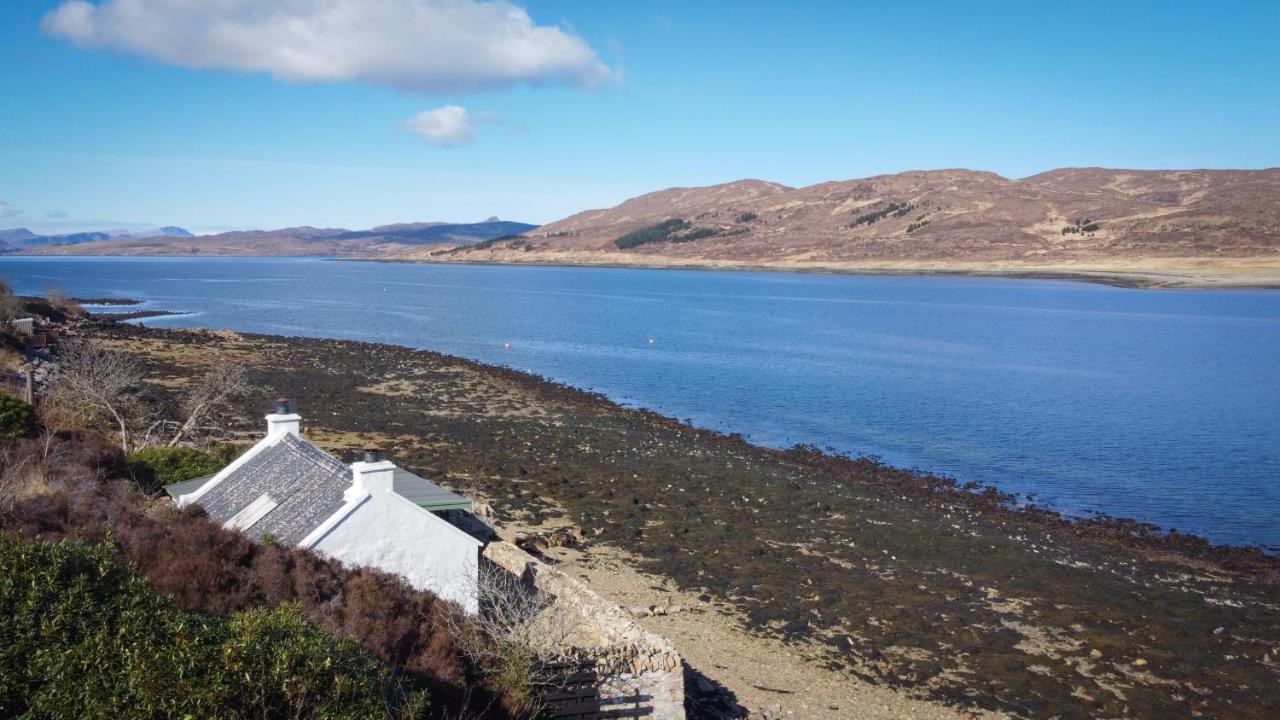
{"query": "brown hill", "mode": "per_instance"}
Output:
(1223, 223)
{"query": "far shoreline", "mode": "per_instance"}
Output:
(1129, 280)
(1136, 279)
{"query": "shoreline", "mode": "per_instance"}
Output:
(1136, 279)
(981, 493)
(880, 575)
(1232, 278)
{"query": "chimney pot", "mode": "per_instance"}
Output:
(282, 406)
(372, 454)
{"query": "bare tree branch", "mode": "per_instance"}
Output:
(210, 395)
(98, 380)
(518, 636)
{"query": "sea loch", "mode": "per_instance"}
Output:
(1158, 405)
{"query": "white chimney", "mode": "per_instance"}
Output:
(370, 478)
(282, 421)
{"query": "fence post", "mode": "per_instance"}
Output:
(29, 391)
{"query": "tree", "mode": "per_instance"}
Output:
(100, 381)
(60, 301)
(210, 395)
(10, 305)
(17, 418)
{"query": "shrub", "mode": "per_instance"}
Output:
(205, 569)
(84, 635)
(747, 217)
(696, 234)
(17, 418)
(62, 303)
(154, 467)
(895, 209)
(652, 233)
(281, 662)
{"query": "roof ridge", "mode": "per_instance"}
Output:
(314, 454)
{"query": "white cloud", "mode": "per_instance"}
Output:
(447, 126)
(412, 45)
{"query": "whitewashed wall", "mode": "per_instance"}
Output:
(392, 534)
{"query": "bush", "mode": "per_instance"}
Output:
(83, 635)
(652, 233)
(204, 569)
(284, 662)
(17, 418)
(747, 217)
(154, 467)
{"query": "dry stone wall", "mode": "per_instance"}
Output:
(636, 668)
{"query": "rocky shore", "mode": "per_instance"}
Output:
(934, 592)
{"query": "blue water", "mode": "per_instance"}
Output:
(1158, 405)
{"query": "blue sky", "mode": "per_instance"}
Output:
(112, 122)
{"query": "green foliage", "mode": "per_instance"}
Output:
(1084, 225)
(286, 663)
(696, 234)
(17, 418)
(651, 234)
(674, 230)
(918, 224)
(747, 217)
(895, 209)
(226, 452)
(83, 635)
(154, 467)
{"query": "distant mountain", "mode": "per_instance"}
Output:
(166, 231)
(931, 220)
(26, 239)
(382, 241)
(440, 233)
(22, 238)
(16, 235)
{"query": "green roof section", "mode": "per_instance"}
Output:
(186, 486)
(426, 494)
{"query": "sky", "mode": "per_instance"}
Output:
(234, 114)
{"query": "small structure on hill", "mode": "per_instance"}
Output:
(369, 513)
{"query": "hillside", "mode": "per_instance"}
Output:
(381, 241)
(1222, 223)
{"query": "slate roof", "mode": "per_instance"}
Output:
(305, 481)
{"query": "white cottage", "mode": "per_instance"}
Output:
(369, 513)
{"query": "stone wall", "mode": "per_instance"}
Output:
(630, 662)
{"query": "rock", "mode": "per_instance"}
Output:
(1140, 662)
(639, 612)
(1095, 653)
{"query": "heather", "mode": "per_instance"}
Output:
(211, 591)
